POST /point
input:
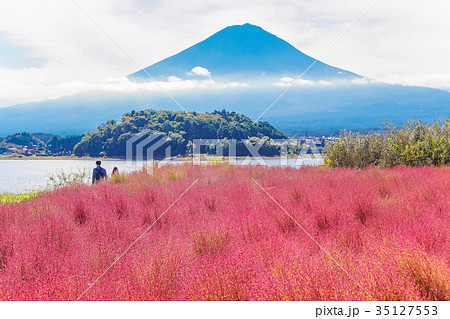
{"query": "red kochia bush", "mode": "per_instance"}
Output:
(226, 239)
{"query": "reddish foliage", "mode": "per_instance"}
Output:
(225, 239)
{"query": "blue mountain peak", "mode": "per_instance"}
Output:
(242, 51)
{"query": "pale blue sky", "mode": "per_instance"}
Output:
(13, 56)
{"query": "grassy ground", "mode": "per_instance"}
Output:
(18, 198)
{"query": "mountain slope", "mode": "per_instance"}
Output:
(242, 51)
(302, 108)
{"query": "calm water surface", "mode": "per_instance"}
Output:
(26, 175)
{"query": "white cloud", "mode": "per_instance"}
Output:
(198, 70)
(362, 81)
(403, 41)
(36, 91)
(288, 81)
(440, 81)
(173, 78)
(125, 85)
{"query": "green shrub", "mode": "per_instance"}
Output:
(414, 144)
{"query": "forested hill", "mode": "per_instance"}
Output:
(181, 127)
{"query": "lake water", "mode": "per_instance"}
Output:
(26, 175)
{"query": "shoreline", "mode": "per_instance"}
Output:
(178, 158)
(24, 186)
(56, 158)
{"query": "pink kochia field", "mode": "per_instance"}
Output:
(376, 233)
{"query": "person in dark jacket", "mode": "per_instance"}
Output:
(99, 173)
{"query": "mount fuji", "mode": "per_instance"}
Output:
(243, 52)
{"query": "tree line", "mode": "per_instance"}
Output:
(181, 129)
(39, 143)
